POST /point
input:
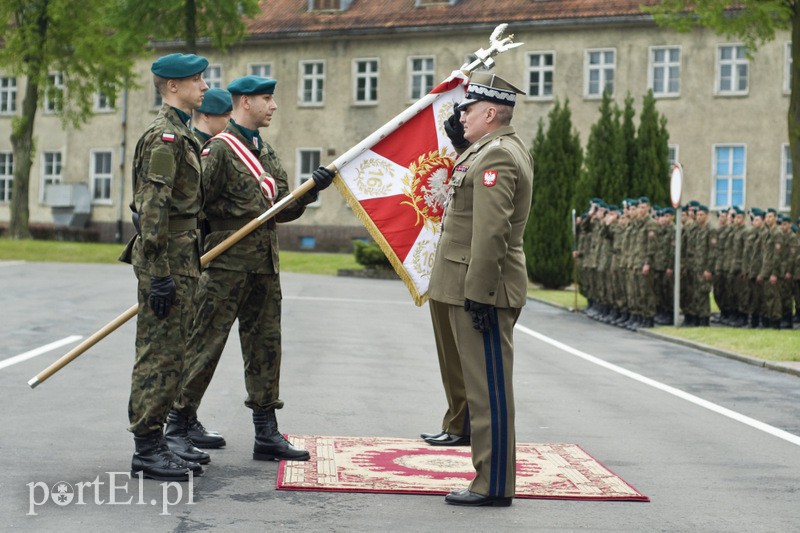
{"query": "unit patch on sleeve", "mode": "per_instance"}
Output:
(168, 137)
(489, 177)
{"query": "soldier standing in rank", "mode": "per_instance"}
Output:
(789, 253)
(736, 254)
(753, 257)
(771, 271)
(663, 266)
(167, 199)
(479, 276)
(213, 116)
(719, 248)
(644, 255)
(243, 176)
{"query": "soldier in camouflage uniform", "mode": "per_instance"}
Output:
(796, 274)
(789, 252)
(771, 271)
(752, 262)
(735, 279)
(167, 199)
(244, 283)
(663, 267)
(719, 253)
(212, 117)
(699, 269)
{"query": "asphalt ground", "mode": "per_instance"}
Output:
(712, 441)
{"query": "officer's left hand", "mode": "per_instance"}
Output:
(483, 315)
(162, 295)
(322, 177)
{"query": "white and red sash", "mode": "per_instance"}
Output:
(265, 181)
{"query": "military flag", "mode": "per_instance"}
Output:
(397, 187)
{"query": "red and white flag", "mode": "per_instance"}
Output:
(398, 187)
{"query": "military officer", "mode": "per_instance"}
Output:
(479, 275)
(212, 117)
(243, 176)
(167, 199)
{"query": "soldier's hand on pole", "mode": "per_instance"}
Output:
(483, 315)
(322, 177)
(455, 130)
(162, 295)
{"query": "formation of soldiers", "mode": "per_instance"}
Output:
(749, 261)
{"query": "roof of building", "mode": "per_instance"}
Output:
(292, 17)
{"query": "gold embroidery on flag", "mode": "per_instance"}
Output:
(370, 176)
(426, 185)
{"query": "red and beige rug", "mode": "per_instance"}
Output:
(409, 466)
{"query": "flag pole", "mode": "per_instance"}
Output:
(497, 44)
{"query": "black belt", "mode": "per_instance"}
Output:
(182, 224)
(228, 224)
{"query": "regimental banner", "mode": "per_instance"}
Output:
(398, 188)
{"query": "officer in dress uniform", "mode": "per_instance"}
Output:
(167, 199)
(479, 276)
(244, 282)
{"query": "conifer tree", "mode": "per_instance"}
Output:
(606, 170)
(558, 159)
(652, 154)
(629, 147)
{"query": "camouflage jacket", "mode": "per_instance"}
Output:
(234, 197)
(167, 197)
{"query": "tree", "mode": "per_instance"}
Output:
(606, 172)
(628, 140)
(755, 22)
(222, 22)
(75, 39)
(558, 160)
(651, 164)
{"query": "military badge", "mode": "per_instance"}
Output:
(489, 177)
(168, 137)
(205, 151)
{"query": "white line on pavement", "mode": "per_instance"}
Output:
(785, 435)
(38, 351)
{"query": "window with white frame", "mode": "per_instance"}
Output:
(101, 175)
(102, 103)
(786, 177)
(541, 66)
(308, 160)
(732, 69)
(6, 176)
(730, 163)
(54, 93)
(665, 70)
(213, 76)
(263, 70)
(312, 82)
(600, 66)
(365, 87)
(51, 171)
(423, 70)
(787, 69)
(8, 95)
(672, 155)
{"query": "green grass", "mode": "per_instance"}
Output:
(81, 252)
(771, 345)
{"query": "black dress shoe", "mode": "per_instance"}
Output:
(432, 435)
(447, 439)
(467, 497)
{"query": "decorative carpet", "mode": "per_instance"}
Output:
(409, 466)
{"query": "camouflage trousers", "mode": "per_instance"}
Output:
(160, 355)
(772, 300)
(697, 296)
(255, 300)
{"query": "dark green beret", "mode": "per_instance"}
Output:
(772, 210)
(644, 200)
(633, 203)
(702, 208)
(252, 85)
(216, 102)
(685, 209)
(668, 211)
(175, 66)
(794, 228)
(756, 212)
(613, 207)
(738, 210)
(693, 203)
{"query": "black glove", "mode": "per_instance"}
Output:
(322, 177)
(484, 316)
(162, 295)
(455, 130)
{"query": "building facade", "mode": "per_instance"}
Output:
(344, 68)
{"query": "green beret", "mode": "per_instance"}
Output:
(685, 209)
(693, 203)
(175, 66)
(613, 207)
(252, 85)
(772, 210)
(739, 210)
(216, 102)
(756, 212)
(702, 208)
(644, 200)
(633, 203)
(668, 211)
(794, 228)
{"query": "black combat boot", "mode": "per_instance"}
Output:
(624, 316)
(647, 322)
(270, 443)
(178, 440)
(786, 321)
(689, 321)
(155, 461)
(203, 438)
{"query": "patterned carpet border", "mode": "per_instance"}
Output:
(409, 466)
